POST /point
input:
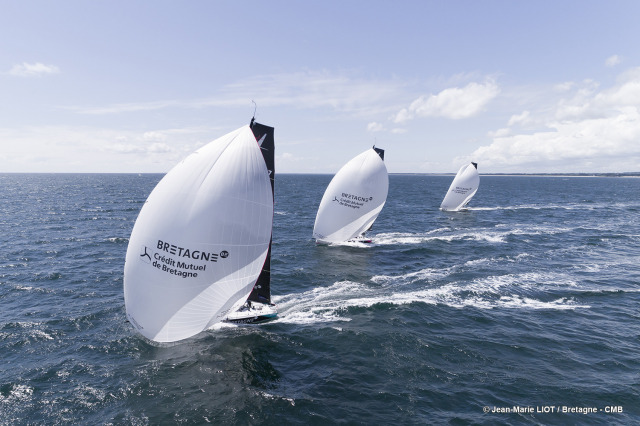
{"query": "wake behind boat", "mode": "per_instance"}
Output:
(462, 189)
(201, 245)
(353, 199)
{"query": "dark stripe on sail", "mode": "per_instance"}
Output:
(380, 152)
(262, 289)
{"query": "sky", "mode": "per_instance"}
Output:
(132, 86)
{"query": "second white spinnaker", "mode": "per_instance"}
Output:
(353, 199)
(462, 189)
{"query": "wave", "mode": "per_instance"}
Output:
(535, 207)
(16, 393)
(118, 239)
(555, 206)
(512, 291)
(497, 235)
(394, 238)
(25, 332)
(352, 243)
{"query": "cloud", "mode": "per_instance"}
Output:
(564, 87)
(592, 138)
(91, 149)
(500, 133)
(33, 70)
(625, 93)
(454, 103)
(592, 130)
(519, 119)
(612, 61)
(340, 92)
(129, 148)
(287, 157)
(375, 127)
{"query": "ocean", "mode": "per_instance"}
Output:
(524, 309)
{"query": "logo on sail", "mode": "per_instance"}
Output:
(356, 197)
(461, 190)
(144, 255)
(351, 200)
(167, 259)
(186, 252)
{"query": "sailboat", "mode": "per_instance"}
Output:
(462, 189)
(200, 248)
(353, 199)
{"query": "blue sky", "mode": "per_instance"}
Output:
(134, 86)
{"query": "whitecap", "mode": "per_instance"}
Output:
(426, 274)
(118, 239)
(17, 393)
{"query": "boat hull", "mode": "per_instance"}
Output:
(253, 313)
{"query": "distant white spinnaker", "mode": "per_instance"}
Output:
(462, 189)
(354, 198)
(202, 238)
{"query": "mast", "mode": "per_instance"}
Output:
(264, 136)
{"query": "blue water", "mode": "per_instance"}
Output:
(529, 299)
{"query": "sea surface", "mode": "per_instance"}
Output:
(524, 309)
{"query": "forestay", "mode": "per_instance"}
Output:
(462, 189)
(200, 240)
(354, 198)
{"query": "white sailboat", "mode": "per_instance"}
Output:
(353, 199)
(462, 189)
(200, 248)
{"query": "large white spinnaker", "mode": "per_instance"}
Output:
(354, 198)
(462, 189)
(201, 239)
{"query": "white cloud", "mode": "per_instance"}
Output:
(626, 93)
(521, 118)
(89, 149)
(159, 148)
(454, 103)
(288, 158)
(154, 136)
(612, 61)
(580, 103)
(33, 70)
(499, 133)
(375, 127)
(134, 148)
(590, 131)
(564, 87)
(305, 90)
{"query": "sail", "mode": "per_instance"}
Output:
(201, 239)
(354, 198)
(262, 289)
(462, 189)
